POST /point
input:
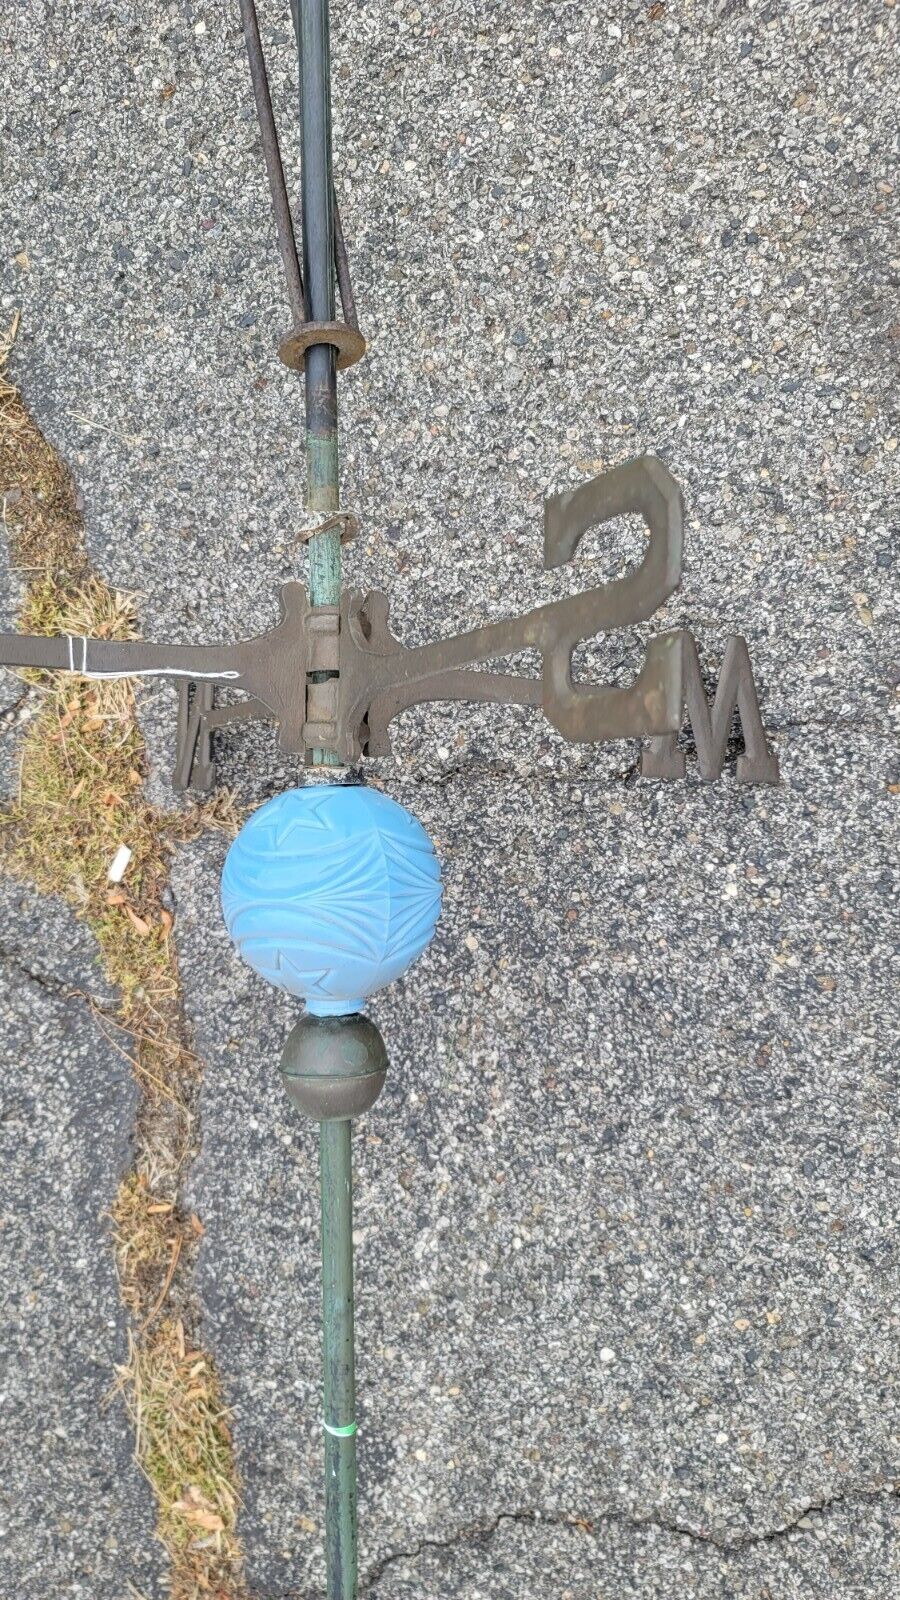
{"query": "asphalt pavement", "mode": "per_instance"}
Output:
(627, 1209)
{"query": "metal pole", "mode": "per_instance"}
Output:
(281, 206)
(339, 1390)
(317, 222)
(317, 216)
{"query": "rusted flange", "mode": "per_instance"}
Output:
(348, 342)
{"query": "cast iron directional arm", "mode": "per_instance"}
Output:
(334, 677)
(379, 678)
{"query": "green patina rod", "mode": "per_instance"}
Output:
(339, 1389)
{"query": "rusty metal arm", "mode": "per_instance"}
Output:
(379, 677)
(333, 677)
(113, 658)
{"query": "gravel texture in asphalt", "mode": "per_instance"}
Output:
(626, 1225)
(628, 1265)
(850, 1551)
(76, 1517)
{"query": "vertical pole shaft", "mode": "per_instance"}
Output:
(340, 1394)
(317, 216)
(317, 220)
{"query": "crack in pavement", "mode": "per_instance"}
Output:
(53, 986)
(105, 1015)
(588, 1527)
(7, 713)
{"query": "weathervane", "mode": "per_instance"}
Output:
(332, 890)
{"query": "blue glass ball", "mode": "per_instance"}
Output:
(330, 892)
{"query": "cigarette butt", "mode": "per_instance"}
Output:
(119, 864)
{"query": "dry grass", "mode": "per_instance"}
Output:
(149, 1239)
(40, 502)
(183, 1441)
(80, 797)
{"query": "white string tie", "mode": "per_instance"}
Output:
(80, 639)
